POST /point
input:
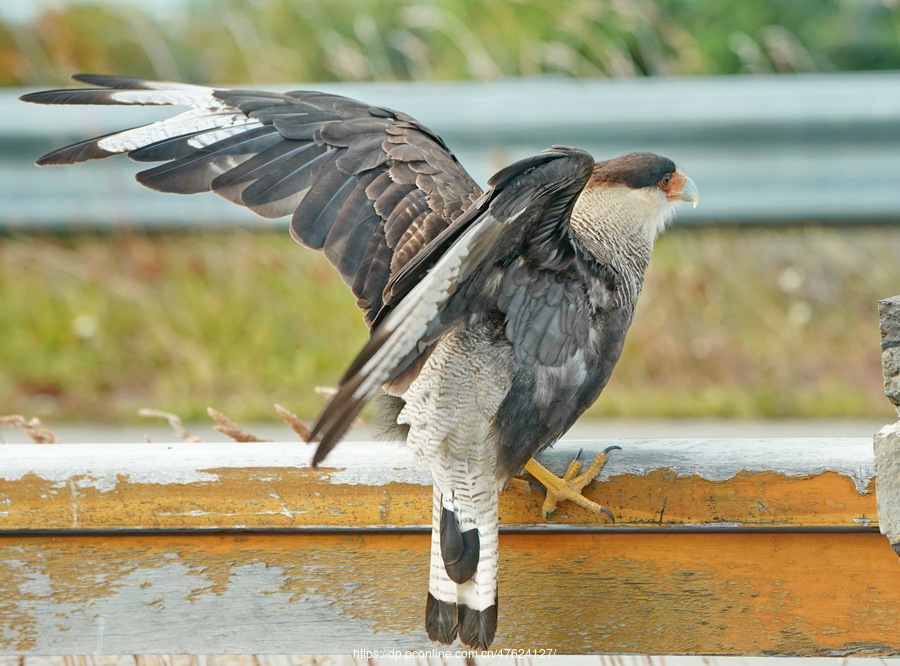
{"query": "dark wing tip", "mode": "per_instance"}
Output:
(333, 435)
(79, 152)
(326, 443)
(113, 81)
(322, 450)
(335, 421)
(100, 79)
(52, 159)
(46, 97)
(64, 95)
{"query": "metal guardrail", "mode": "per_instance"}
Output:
(768, 149)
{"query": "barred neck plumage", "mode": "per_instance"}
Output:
(607, 243)
(618, 225)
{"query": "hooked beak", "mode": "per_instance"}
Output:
(687, 192)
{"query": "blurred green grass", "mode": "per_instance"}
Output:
(749, 323)
(275, 41)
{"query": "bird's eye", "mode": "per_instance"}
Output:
(665, 181)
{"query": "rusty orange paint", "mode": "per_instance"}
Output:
(785, 593)
(264, 498)
(760, 498)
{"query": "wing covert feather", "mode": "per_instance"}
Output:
(502, 239)
(315, 156)
(418, 242)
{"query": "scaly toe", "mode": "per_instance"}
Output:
(570, 486)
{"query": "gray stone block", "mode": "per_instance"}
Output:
(889, 316)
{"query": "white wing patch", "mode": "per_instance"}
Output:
(197, 97)
(209, 138)
(408, 322)
(230, 122)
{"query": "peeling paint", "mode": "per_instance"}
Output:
(375, 463)
(722, 459)
(284, 591)
(103, 466)
(269, 494)
(722, 594)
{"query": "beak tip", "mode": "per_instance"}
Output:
(690, 192)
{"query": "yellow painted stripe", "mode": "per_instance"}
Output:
(278, 498)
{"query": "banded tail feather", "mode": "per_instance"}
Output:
(462, 587)
(459, 549)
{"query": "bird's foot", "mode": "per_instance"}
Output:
(569, 487)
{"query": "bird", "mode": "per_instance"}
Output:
(496, 315)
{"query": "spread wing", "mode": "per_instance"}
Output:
(509, 256)
(368, 186)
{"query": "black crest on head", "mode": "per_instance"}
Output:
(634, 170)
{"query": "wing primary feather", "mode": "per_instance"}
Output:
(332, 224)
(184, 123)
(297, 172)
(132, 83)
(357, 243)
(314, 216)
(232, 183)
(82, 151)
(196, 97)
(249, 141)
(354, 211)
(197, 171)
(171, 148)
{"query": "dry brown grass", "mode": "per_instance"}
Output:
(732, 323)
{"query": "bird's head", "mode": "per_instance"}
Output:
(628, 201)
(643, 187)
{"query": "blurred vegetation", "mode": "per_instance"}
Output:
(735, 323)
(752, 323)
(272, 41)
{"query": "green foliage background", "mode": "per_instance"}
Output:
(271, 41)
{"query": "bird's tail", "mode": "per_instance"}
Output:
(462, 586)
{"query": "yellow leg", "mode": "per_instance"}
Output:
(569, 487)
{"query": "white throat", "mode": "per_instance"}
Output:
(618, 226)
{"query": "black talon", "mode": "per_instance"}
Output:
(614, 447)
(603, 509)
(537, 486)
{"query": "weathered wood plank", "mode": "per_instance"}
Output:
(785, 593)
(100, 581)
(666, 483)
